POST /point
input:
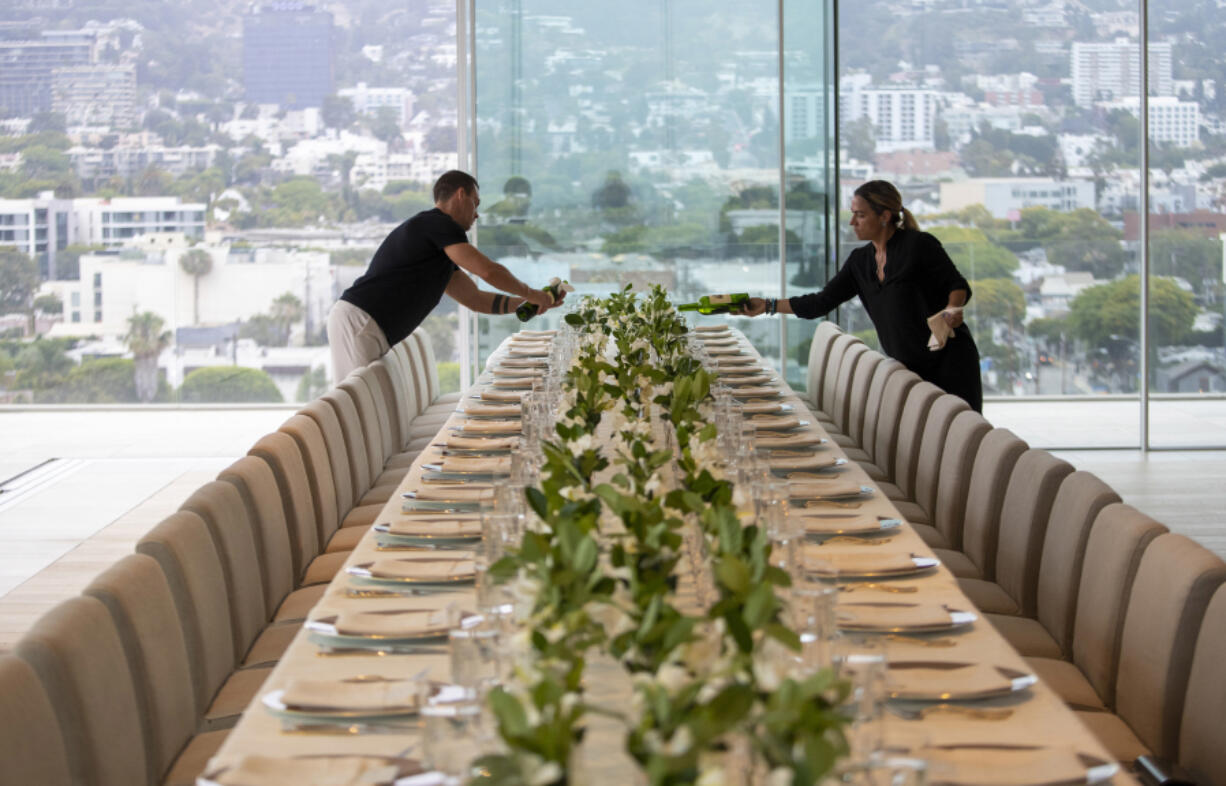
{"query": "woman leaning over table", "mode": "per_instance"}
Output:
(903, 276)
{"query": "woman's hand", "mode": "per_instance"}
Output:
(953, 316)
(755, 307)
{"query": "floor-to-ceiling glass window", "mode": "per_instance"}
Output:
(639, 142)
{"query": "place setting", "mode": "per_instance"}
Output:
(498, 410)
(384, 631)
(456, 445)
(452, 498)
(821, 526)
(329, 768)
(485, 427)
(834, 565)
(450, 531)
(831, 490)
(796, 467)
(452, 469)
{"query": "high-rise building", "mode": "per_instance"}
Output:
(26, 69)
(1112, 71)
(902, 117)
(95, 95)
(369, 100)
(287, 54)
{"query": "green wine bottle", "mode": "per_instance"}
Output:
(555, 288)
(718, 304)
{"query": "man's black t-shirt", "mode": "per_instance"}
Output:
(408, 274)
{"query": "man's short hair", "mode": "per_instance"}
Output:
(450, 182)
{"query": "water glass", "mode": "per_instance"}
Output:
(475, 649)
(509, 498)
(812, 608)
(887, 771)
(862, 661)
(453, 732)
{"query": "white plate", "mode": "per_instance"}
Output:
(1018, 681)
(274, 703)
(957, 619)
(918, 565)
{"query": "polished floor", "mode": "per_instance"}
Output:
(79, 488)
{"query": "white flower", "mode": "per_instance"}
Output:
(582, 444)
(653, 484)
(681, 742)
(780, 776)
(711, 774)
(547, 773)
(672, 678)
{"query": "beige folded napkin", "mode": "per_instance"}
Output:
(524, 362)
(941, 331)
(483, 464)
(520, 352)
(735, 361)
(469, 493)
(254, 770)
(743, 375)
(714, 351)
(759, 407)
(512, 410)
(374, 695)
(755, 392)
(816, 462)
(407, 622)
(457, 525)
(481, 443)
(789, 441)
(728, 341)
(502, 374)
(834, 525)
(534, 334)
(492, 426)
(822, 559)
(823, 489)
(932, 683)
(427, 569)
(988, 765)
(514, 383)
(740, 383)
(889, 615)
(775, 422)
(502, 395)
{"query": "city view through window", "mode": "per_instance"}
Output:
(185, 189)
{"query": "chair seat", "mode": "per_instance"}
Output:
(362, 516)
(958, 564)
(891, 491)
(1026, 635)
(402, 460)
(1115, 735)
(1068, 682)
(379, 495)
(913, 513)
(424, 429)
(324, 567)
(235, 694)
(270, 645)
(451, 398)
(421, 443)
(390, 476)
(194, 757)
(988, 596)
(873, 471)
(345, 539)
(931, 536)
(858, 455)
(299, 603)
(442, 410)
(842, 440)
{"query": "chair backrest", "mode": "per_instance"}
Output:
(1081, 498)
(314, 451)
(419, 373)
(1200, 733)
(402, 367)
(137, 595)
(893, 399)
(76, 652)
(857, 403)
(221, 507)
(962, 443)
(184, 549)
(998, 452)
(355, 443)
(1118, 538)
(932, 447)
(1024, 517)
(830, 375)
(433, 389)
(281, 452)
(920, 399)
(384, 416)
(839, 408)
(390, 386)
(371, 432)
(1175, 581)
(257, 487)
(872, 405)
(823, 335)
(31, 745)
(324, 415)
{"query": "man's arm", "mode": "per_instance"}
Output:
(469, 258)
(464, 291)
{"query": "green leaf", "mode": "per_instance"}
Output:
(512, 719)
(585, 556)
(536, 499)
(733, 574)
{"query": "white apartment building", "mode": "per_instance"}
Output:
(902, 117)
(129, 161)
(1004, 195)
(1112, 71)
(369, 100)
(804, 113)
(1171, 121)
(95, 95)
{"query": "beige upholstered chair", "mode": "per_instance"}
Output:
(421, 376)
(866, 439)
(281, 452)
(989, 480)
(347, 494)
(31, 745)
(857, 404)
(420, 434)
(257, 487)
(374, 431)
(220, 505)
(827, 405)
(439, 401)
(1024, 515)
(336, 535)
(1081, 498)
(966, 433)
(76, 652)
(920, 398)
(1200, 732)
(358, 449)
(839, 405)
(137, 595)
(819, 350)
(919, 507)
(184, 549)
(1174, 583)
(885, 444)
(391, 387)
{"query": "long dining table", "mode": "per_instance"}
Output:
(1030, 719)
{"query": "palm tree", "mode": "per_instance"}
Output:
(146, 340)
(196, 262)
(286, 310)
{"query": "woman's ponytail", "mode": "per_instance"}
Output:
(908, 219)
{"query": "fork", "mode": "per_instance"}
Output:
(946, 642)
(816, 503)
(848, 540)
(879, 587)
(349, 728)
(976, 713)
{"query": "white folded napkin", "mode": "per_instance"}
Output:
(941, 331)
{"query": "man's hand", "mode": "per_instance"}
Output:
(555, 303)
(756, 306)
(540, 297)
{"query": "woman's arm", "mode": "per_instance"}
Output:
(837, 291)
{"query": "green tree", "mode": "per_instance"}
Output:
(1189, 255)
(313, 384)
(99, 381)
(42, 365)
(337, 112)
(385, 126)
(286, 310)
(44, 163)
(974, 254)
(197, 263)
(861, 139)
(18, 282)
(263, 330)
(49, 304)
(146, 340)
(229, 384)
(999, 300)
(1087, 242)
(68, 260)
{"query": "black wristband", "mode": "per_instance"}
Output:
(496, 305)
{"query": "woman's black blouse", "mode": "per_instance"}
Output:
(919, 276)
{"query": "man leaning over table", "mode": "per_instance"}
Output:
(417, 262)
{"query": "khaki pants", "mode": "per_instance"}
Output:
(353, 338)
